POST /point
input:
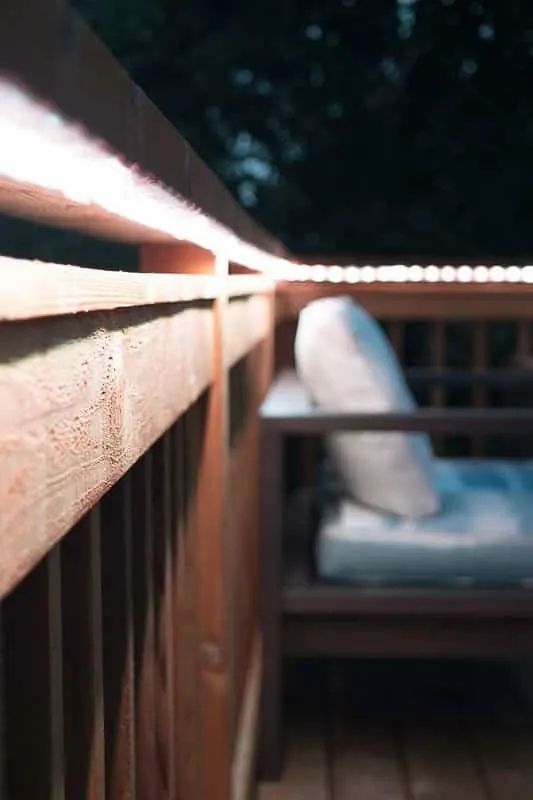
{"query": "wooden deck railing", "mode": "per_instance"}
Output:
(130, 648)
(130, 658)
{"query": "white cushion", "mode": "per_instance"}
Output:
(347, 364)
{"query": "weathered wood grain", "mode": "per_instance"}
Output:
(32, 289)
(246, 322)
(214, 602)
(80, 400)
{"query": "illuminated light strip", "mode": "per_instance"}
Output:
(38, 148)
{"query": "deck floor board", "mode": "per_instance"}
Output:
(405, 731)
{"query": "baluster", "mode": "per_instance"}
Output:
(117, 604)
(479, 393)
(83, 668)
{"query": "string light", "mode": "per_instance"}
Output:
(39, 149)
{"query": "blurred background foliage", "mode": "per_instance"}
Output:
(370, 126)
(364, 126)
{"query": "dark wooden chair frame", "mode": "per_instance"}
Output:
(313, 618)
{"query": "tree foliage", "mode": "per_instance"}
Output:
(360, 125)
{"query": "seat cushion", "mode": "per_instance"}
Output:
(471, 473)
(347, 365)
(481, 538)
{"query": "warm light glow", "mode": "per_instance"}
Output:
(41, 150)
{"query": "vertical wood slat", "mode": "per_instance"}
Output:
(523, 339)
(33, 685)
(117, 602)
(185, 663)
(83, 667)
(479, 393)
(271, 518)
(215, 688)
(161, 499)
(397, 338)
(214, 655)
(147, 774)
(2, 712)
(438, 362)
(56, 675)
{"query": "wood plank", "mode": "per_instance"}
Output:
(439, 764)
(209, 488)
(82, 398)
(214, 607)
(32, 289)
(186, 681)
(305, 774)
(480, 358)
(117, 602)
(501, 734)
(438, 760)
(247, 321)
(315, 598)
(148, 779)
(364, 751)
(65, 64)
(164, 628)
(408, 638)
(83, 667)
(289, 408)
(271, 516)
(33, 686)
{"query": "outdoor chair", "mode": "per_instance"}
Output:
(392, 552)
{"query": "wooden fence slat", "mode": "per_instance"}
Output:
(523, 344)
(438, 362)
(117, 604)
(33, 685)
(164, 629)
(187, 720)
(397, 337)
(148, 779)
(209, 492)
(3, 753)
(83, 667)
(479, 393)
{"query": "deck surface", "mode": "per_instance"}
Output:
(402, 731)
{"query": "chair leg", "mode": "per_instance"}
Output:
(270, 744)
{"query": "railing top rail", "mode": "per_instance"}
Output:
(32, 289)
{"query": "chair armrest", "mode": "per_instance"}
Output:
(288, 409)
(468, 421)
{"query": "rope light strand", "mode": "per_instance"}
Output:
(39, 149)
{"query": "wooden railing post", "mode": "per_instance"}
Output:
(212, 595)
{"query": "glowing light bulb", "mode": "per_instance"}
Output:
(464, 274)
